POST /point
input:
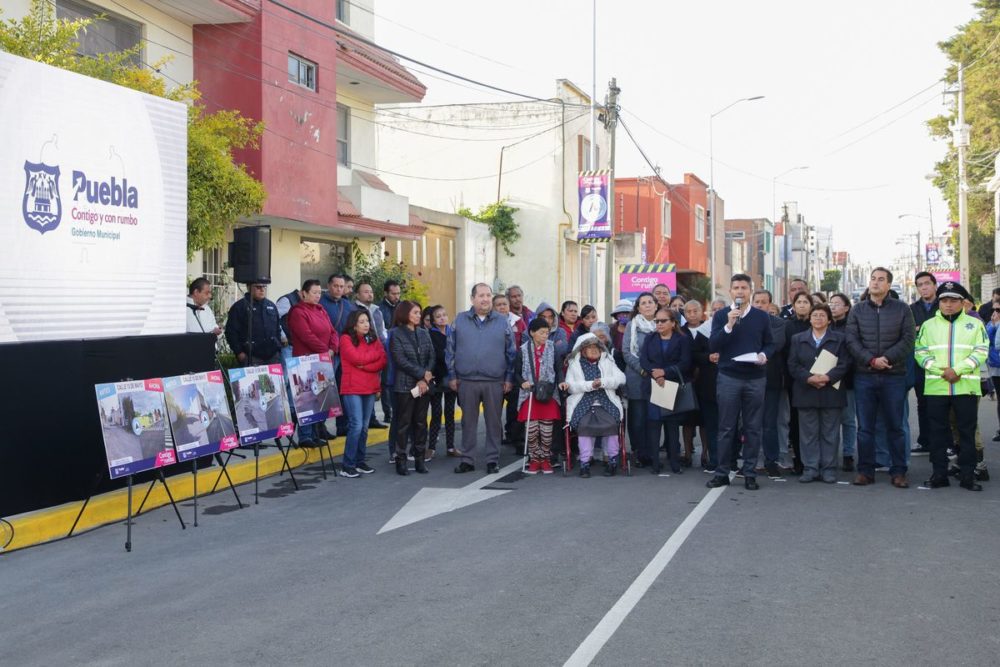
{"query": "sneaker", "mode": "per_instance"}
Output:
(428, 455)
(365, 469)
(982, 474)
(772, 470)
(392, 458)
(547, 467)
(348, 471)
(535, 467)
(409, 457)
(739, 473)
(453, 452)
(920, 450)
(882, 469)
(376, 424)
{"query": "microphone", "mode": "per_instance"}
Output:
(738, 306)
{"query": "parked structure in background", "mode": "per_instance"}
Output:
(527, 154)
(750, 249)
(660, 222)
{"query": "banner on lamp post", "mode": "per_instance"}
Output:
(594, 223)
(932, 252)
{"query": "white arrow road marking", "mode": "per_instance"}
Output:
(430, 501)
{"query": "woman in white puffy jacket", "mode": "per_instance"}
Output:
(593, 409)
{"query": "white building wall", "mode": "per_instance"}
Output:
(445, 158)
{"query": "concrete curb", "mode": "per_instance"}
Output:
(54, 523)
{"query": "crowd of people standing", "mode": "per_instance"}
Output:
(812, 388)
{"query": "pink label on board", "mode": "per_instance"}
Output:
(155, 384)
(274, 369)
(215, 376)
(285, 429)
(165, 458)
(229, 442)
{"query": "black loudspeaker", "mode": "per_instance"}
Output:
(250, 255)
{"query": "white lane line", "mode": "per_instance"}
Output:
(608, 625)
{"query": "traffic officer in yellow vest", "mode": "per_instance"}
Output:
(951, 347)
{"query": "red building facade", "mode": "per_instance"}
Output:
(673, 216)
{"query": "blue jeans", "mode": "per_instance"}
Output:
(880, 396)
(882, 457)
(849, 426)
(359, 411)
(772, 399)
(737, 398)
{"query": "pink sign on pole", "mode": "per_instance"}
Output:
(634, 279)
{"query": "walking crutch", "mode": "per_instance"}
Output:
(527, 428)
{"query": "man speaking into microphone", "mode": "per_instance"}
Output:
(741, 335)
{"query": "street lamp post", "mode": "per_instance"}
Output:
(711, 184)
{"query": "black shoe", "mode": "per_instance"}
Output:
(772, 470)
(348, 471)
(982, 475)
(401, 468)
(585, 470)
(717, 481)
(920, 450)
(954, 471)
(848, 464)
(937, 482)
(492, 469)
(322, 433)
(365, 469)
(464, 467)
(677, 470)
(751, 484)
(612, 467)
(310, 443)
(970, 485)
(797, 467)
(418, 465)
(377, 424)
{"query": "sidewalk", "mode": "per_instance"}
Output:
(54, 523)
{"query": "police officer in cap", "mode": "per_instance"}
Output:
(951, 347)
(252, 329)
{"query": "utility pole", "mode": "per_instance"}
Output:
(960, 137)
(593, 146)
(785, 256)
(610, 123)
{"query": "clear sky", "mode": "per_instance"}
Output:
(824, 68)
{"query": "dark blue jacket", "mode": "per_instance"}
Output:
(338, 311)
(266, 331)
(388, 310)
(673, 356)
(751, 334)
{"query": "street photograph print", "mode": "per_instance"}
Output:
(199, 414)
(314, 390)
(261, 413)
(133, 423)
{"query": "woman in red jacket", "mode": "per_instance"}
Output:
(311, 333)
(362, 358)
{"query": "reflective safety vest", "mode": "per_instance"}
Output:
(961, 345)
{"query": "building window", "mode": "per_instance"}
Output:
(343, 135)
(109, 33)
(423, 249)
(413, 256)
(343, 11)
(399, 251)
(437, 253)
(301, 71)
(319, 259)
(665, 217)
(699, 223)
(451, 254)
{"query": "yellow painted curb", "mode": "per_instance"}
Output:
(53, 523)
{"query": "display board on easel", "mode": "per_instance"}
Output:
(259, 397)
(199, 414)
(314, 391)
(134, 426)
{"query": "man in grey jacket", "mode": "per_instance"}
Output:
(880, 335)
(479, 355)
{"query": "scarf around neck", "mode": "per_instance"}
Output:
(639, 324)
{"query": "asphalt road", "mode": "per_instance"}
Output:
(792, 574)
(120, 443)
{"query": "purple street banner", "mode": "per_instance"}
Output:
(261, 411)
(634, 279)
(932, 251)
(200, 420)
(314, 391)
(134, 426)
(595, 222)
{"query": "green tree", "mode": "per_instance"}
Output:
(831, 280)
(375, 268)
(499, 217)
(220, 191)
(975, 46)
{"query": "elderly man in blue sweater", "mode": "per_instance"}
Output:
(741, 335)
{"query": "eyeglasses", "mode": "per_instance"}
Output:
(663, 321)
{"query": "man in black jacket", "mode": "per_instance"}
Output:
(923, 309)
(880, 335)
(776, 371)
(260, 342)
